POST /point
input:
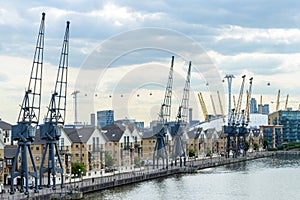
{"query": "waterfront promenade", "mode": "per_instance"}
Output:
(76, 190)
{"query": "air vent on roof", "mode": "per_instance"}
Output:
(80, 135)
(113, 135)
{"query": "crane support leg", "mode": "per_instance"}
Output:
(23, 172)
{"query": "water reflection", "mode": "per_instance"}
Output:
(267, 178)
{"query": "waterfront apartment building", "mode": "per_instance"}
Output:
(88, 147)
(105, 117)
(290, 121)
(123, 145)
(273, 134)
(37, 149)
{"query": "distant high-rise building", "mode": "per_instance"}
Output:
(265, 109)
(190, 115)
(105, 117)
(253, 105)
(93, 120)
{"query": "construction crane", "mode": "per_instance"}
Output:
(181, 122)
(221, 107)
(24, 131)
(286, 102)
(55, 119)
(278, 100)
(203, 106)
(214, 107)
(160, 150)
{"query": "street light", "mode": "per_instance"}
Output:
(79, 176)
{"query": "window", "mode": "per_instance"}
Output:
(76, 145)
(37, 148)
(9, 162)
(37, 158)
(76, 154)
(62, 142)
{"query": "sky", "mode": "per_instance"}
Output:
(120, 53)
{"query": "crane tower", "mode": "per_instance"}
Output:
(24, 131)
(164, 116)
(181, 122)
(51, 129)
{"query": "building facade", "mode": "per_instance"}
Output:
(253, 105)
(273, 135)
(105, 117)
(290, 121)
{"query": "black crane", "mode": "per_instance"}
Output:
(243, 125)
(160, 150)
(55, 119)
(24, 131)
(234, 121)
(181, 123)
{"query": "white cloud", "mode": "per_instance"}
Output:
(259, 35)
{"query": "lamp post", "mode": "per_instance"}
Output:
(79, 181)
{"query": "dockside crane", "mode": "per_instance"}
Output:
(55, 119)
(243, 127)
(24, 131)
(231, 130)
(160, 150)
(181, 122)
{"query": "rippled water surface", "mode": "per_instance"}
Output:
(267, 179)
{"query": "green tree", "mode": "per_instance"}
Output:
(208, 152)
(246, 145)
(109, 161)
(137, 161)
(191, 153)
(78, 168)
(255, 146)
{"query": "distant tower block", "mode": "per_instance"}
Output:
(93, 121)
(190, 115)
(229, 79)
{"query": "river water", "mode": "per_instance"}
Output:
(266, 179)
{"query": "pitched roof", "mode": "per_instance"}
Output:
(114, 132)
(148, 135)
(194, 133)
(4, 125)
(81, 135)
(85, 133)
(37, 139)
(10, 151)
